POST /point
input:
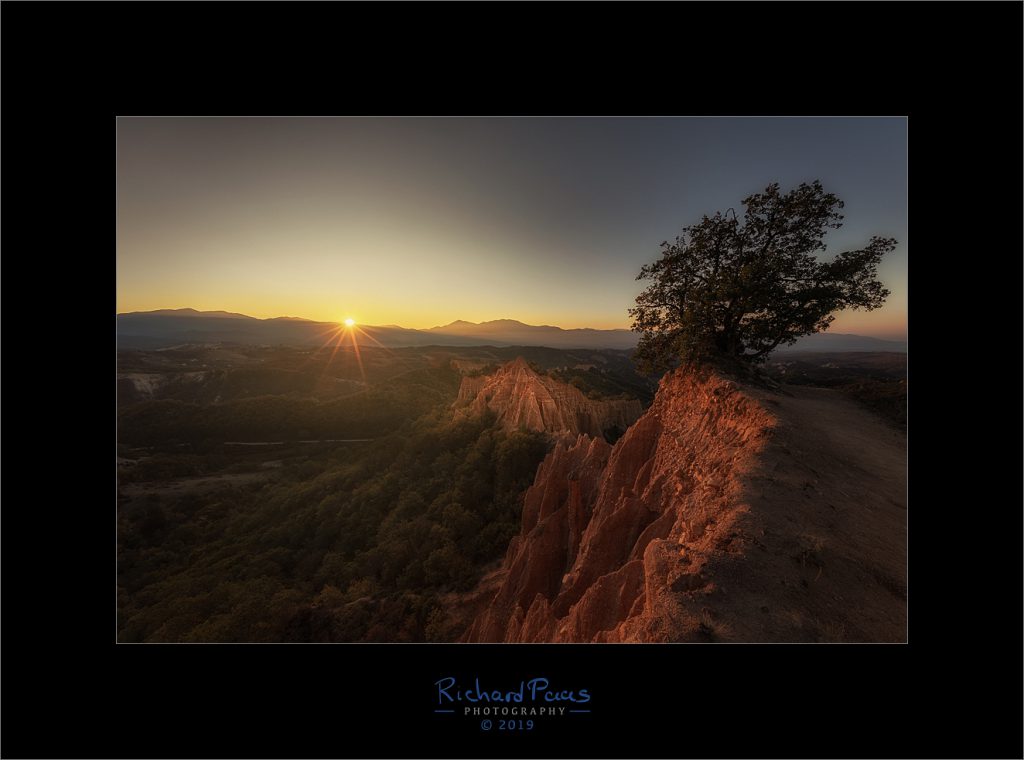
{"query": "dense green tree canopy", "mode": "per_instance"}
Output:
(737, 288)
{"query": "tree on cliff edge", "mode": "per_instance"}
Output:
(736, 289)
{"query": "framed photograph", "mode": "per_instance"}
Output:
(408, 380)
(516, 428)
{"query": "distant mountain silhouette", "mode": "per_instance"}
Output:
(171, 327)
(827, 341)
(192, 313)
(516, 333)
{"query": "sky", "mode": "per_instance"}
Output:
(422, 221)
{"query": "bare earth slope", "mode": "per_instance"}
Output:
(521, 398)
(724, 513)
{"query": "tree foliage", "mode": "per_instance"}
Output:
(736, 289)
(355, 545)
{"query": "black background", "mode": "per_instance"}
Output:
(69, 69)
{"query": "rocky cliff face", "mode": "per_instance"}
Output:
(711, 519)
(524, 399)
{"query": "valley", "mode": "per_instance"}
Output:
(504, 494)
(340, 494)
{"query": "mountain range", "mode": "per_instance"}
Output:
(170, 327)
(164, 328)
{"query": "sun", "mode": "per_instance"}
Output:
(349, 322)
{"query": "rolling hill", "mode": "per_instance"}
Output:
(171, 327)
(174, 327)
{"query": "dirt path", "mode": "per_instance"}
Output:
(825, 532)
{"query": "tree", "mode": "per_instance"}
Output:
(736, 290)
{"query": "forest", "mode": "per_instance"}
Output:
(306, 534)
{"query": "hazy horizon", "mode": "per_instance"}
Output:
(430, 327)
(420, 222)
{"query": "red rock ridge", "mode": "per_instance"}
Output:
(712, 519)
(524, 399)
(607, 530)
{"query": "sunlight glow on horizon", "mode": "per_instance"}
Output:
(420, 223)
(890, 324)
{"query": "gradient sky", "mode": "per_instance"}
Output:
(421, 221)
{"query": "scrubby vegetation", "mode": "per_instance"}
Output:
(598, 383)
(354, 545)
(876, 380)
(306, 534)
(279, 417)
